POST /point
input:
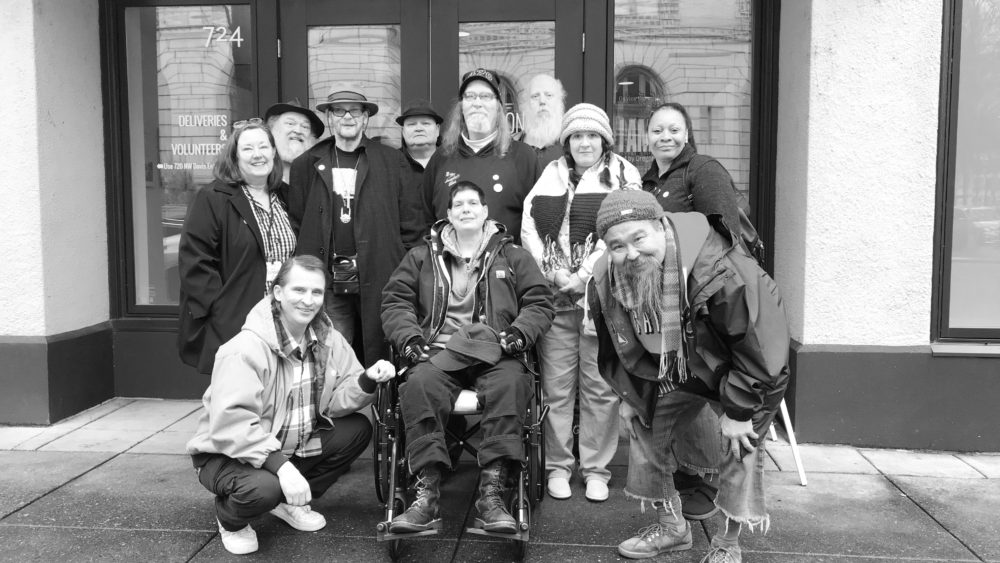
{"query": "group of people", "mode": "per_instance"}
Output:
(461, 251)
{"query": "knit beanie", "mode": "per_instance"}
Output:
(622, 206)
(586, 117)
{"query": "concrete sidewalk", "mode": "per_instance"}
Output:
(113, 484)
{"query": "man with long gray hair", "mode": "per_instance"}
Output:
(477, 147)
(544, 102)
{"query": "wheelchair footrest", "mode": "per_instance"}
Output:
(383, 533)
(521, 535)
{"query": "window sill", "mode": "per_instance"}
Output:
(965, 349)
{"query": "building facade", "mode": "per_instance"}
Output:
(863, 133)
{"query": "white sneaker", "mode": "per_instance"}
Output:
(558, 488)
(300, 517)
(597, 490)
(239, 542)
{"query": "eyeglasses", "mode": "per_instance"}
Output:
(243, 124)
(484, 96)
(340, 112)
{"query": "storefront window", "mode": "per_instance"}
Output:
(367, 56)
(189, 76)
(516, 51)
(974, 284)
(693, 52)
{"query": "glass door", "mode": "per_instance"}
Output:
(379, 45)
(517, 39)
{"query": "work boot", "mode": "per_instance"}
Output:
(670, 533)
(493, 515)
(424, 513)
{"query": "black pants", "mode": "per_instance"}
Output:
(243, 493)
(428, 397)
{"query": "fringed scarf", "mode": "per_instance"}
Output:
(666, 321)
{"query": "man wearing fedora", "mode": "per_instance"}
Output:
(461, 308)
(421, 127)
(295, 128)
(349, 203)
(477, 146)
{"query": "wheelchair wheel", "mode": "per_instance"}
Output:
(396, 546)
(383, 443)
(523, 521)
(535, 447)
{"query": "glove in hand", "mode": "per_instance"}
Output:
(512, 341)
(416, 350)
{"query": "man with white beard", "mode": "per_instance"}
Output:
(477, 146)
(545, 101)
(295, 130)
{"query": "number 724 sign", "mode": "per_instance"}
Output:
(222, 33)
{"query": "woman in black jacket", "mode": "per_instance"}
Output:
(235, 237)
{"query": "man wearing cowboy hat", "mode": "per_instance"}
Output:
(295, 129)
(349, 202)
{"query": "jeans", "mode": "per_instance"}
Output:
(344, 311)
(428, 397)
(698, 447)
(568, 359)
(243, 492)
(651, 464)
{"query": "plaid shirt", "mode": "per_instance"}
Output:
(297, 430)
(279, 238)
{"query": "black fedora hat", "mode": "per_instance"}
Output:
(419, 107)
(293, 106)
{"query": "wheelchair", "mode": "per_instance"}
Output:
(525, 487)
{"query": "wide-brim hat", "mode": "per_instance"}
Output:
(470, 345)
(293, 106)
(347, 94)
(419, 107)
(487, 76)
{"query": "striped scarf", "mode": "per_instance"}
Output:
(666, 321)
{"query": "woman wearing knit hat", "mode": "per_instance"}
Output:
(558, 228)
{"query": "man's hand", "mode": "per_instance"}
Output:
(293, 485)
(737, 434)
(561, 277)
(381, 371)
(416, 350)
(512, 341)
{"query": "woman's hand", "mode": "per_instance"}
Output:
(573, 285)
(381, 371)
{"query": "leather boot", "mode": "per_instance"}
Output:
(424, 513)
(493, 515)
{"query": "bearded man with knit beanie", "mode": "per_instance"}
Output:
(684, 317)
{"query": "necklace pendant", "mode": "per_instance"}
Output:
(345, 218)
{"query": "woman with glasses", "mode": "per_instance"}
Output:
(235, 237)
(476, 146)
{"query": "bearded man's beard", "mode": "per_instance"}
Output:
(289, 150)
(640, 285)
(542, 131)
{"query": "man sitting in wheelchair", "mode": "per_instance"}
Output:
(461, 309)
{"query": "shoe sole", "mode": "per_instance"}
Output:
(413, 528)
(289, 521)
(557, 497)
(497, 528)
(700, 517)
(648, 555)
(592, 499)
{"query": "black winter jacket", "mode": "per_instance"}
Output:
(737, 338)
(511, 291)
